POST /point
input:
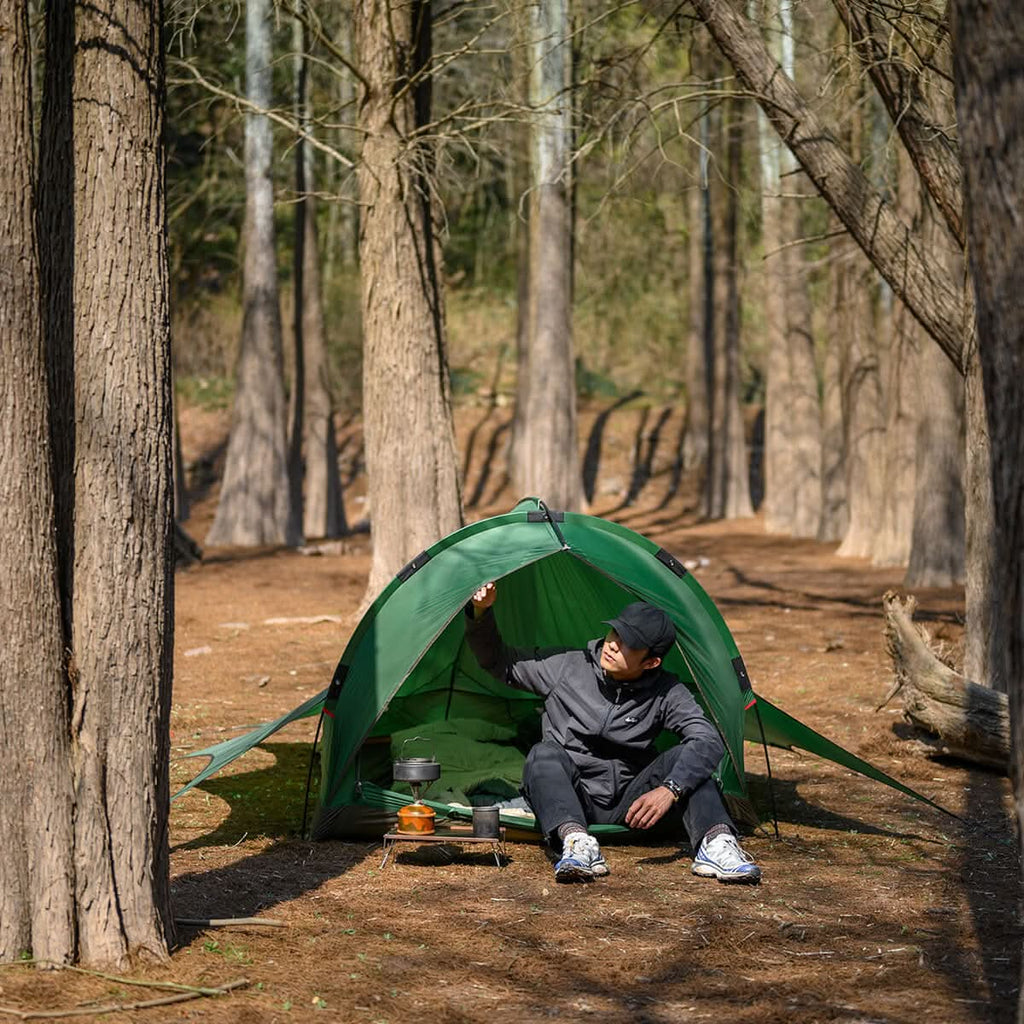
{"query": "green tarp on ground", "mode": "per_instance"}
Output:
(407, 671)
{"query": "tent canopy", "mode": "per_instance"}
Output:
(407, 672)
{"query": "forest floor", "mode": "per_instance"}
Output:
(873, 908)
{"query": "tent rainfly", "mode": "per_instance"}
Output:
(407, 675)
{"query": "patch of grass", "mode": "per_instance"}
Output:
(209, 393)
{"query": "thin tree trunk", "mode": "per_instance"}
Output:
(735, 477)
(900, 387)
(312, 430)
(324, 499)
(713, 274)
(547, 454)
(297, 395)
(864, 421)
(696, 429)
(410, 449)
(36, 875)
(255, 504)
(938, 541)
(792, 416)
(835, 515)
(938, 533)
(520, 191)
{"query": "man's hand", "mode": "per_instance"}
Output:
(484, 598)
(650, 808)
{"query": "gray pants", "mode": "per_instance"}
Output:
(555, 791)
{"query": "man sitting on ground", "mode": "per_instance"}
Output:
(596, 764)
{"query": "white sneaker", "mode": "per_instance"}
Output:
(723, 858)
(581, 859)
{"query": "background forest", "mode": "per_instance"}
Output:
(697, 251)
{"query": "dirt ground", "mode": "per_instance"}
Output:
(874, 908)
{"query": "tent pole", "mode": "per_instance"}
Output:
(309, 774)
(768, 765)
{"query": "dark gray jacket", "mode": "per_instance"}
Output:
(607, 728)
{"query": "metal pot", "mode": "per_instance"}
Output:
(416, 769)
(416, 819)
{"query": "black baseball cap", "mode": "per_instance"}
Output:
(641, 625)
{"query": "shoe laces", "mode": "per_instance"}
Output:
(581, 845)
(723, 849)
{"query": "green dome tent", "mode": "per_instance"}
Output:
(407, 675)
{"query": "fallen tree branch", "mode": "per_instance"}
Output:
(226, 922)
(970, 722)
(144, 1004)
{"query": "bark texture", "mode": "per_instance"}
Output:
(988, 55)
(971, 721)
(122, 632)
(410, 448)
(255, 505)
(36, 873)
(548, 463)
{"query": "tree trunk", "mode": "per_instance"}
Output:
(697, 426)
(520, 178)
(938, 532)
(322, 503)
(695, 437)
(297, 394)
(410, 448)
(255, 504)
(792, 415)
(324, 498)
(988, 53)
(547, 453)
(835, 516)
(122, 635)
(900, 387)
(864, 423)
(734, 478)
(36, 875)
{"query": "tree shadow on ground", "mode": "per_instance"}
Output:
(592, 455)
(266, 801)
(204, 471)
(489, 461)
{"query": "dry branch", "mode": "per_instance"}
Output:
(178, 997)
(971, 722)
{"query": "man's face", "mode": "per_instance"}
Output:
(624, 663)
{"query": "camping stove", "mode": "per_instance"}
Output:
(416, 818)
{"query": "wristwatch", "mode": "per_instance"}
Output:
(673, 788)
